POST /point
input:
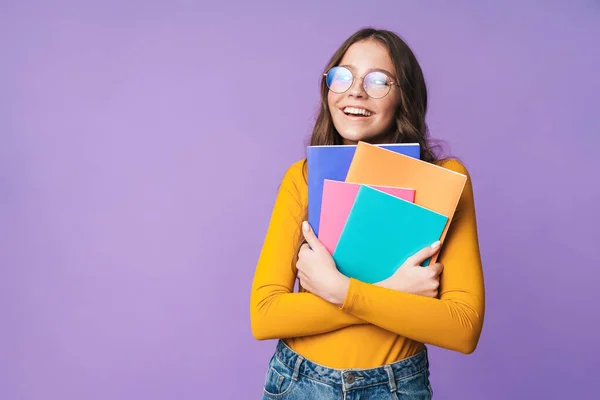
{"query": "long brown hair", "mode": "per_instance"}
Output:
(410, 126)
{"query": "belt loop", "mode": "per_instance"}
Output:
(391, 377)
(299, 360)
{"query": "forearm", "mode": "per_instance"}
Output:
(281, 314)
(453, 322)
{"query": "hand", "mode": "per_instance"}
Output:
(411, 277)
(317, 271)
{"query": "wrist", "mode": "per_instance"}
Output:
(341, 289)
(384, 283)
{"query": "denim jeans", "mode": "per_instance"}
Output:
(292, 377)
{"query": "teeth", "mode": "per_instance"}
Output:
(357, 111)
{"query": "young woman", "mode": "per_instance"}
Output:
(340, 338)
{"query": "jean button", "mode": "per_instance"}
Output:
(350, 379)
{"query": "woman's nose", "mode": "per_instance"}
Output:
(357, 89)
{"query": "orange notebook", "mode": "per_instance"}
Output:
(436, 188)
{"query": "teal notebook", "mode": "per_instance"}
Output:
(381, 232)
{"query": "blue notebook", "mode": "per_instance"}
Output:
(382, 231)
(333, 162)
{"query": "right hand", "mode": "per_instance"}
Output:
(411, 277)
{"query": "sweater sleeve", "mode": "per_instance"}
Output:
(276, 312)
(452, 321)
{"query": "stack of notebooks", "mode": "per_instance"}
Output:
(373, 206)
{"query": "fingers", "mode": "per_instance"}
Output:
(437, 268)
(431, 288)
(302, 256)
(310, 236)
(301, 276)
(423, 254)
(304, 282)
(303, 251)
(304, 247)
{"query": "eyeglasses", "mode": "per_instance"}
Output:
(377, 84)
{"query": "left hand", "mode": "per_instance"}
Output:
(317, 271)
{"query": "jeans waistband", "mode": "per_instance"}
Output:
(352, 378)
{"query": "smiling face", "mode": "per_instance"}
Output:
(355, 115)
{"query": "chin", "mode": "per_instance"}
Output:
(353, 137)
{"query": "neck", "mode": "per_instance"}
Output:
(384, 139)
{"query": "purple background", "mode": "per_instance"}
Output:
(141, 148)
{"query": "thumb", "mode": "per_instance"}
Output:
(310, 236)
(418, 258)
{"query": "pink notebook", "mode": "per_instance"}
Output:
(338, 199)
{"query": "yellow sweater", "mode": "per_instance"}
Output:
(375, 325)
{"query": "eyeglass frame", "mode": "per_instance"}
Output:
(391, 83)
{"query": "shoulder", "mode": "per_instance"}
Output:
(466, 199)
(296, 169)
(293, 186)
(295, 180)
(296, 173)
(455, 165)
